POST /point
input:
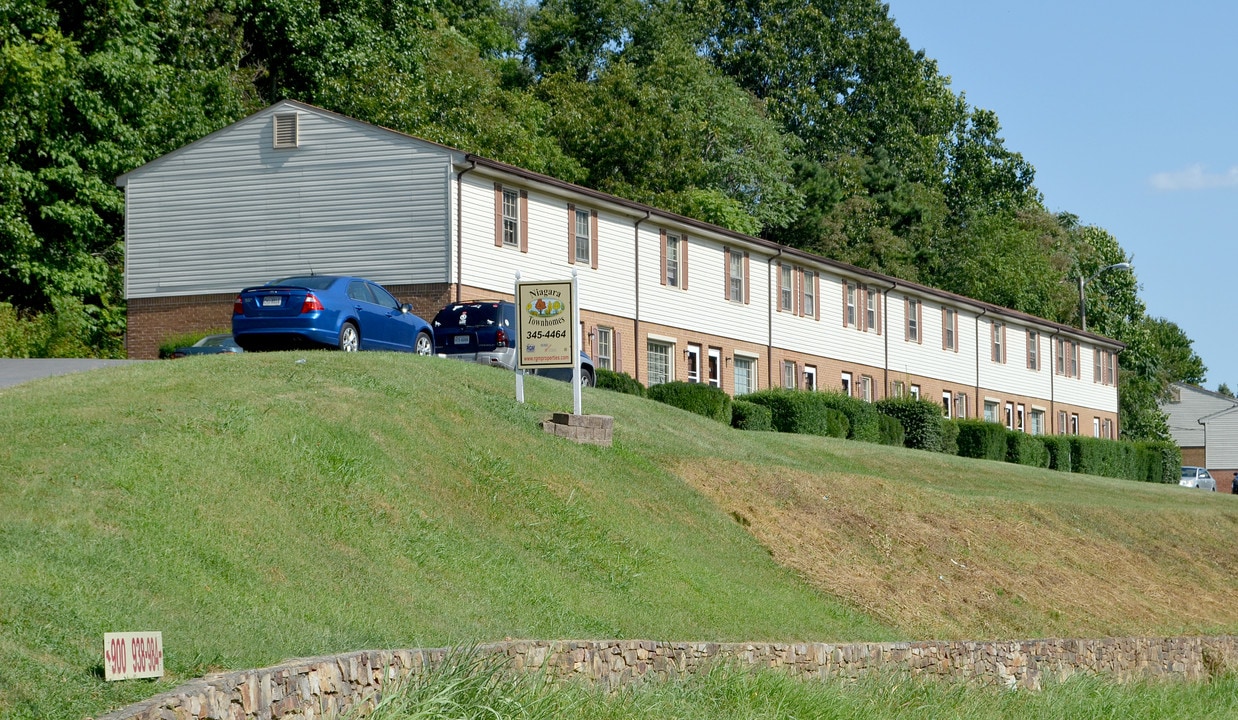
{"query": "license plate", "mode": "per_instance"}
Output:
(272, 301)
(461, 340)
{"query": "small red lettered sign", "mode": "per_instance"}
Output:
(130, 655)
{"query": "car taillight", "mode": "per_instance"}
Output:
(500, 338)
(311, 304)
(238, 306)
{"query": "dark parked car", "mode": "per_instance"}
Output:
(348, 313)
(484, 331)
(209, 345)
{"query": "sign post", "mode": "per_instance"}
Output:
(547, 332)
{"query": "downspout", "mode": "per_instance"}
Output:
(1052, 383)
(460, 224)
(636, 319)
(769, 346)
(979, 397)
(885, 322)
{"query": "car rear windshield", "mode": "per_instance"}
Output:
(313, 282)
(469, 315)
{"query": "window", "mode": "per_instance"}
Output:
(605, 349)
(990, 411)
(1010, 416)
(947, 403)
(897, 388)
(999, 342)
(810, 377)
(1033, 350)
(1067, 358)
(849, 312)
(693, 356)
(661, 369)
(1061, 422)
(846, 383)
(949, 329)
(582, 236)
(1107, 430)
(960, 405)
(870, 312)
(674, 258)
(808, 307)
(866, 388)
(1095, 427)
(915, 391)
(1020, 418)
(1038, 422)
(745, 380)
(786, 291)
(511, 218)
(912, 333)
(736, 275)
(789, 374)
(715, 367)
(1096, 365)
(1074, 424)
(1074, 360)
(1111, 368)
(1103, 369)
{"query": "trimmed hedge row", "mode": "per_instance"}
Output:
(802, 411)
(751, 416)
(921, 421)
(982, 440)
(699, 398)
(618, 381)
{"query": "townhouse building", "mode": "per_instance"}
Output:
(295, 189)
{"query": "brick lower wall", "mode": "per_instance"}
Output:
(318, 687)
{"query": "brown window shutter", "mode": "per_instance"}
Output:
(726, 274)
(878, 307)
(498, 215)
(662, 262)
(943, 329)
(816, 296)
(615, 354)
(571, 234)
(778, 294)
(747, 295)
(524, 221)
(846, 287)
(683, 261)
(797, 300)
(956, 332)
(593, 239)
(920, 322)
(593, 343)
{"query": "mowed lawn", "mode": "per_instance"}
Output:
(270, 506)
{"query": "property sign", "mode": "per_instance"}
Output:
(545, 324)
(129, 655)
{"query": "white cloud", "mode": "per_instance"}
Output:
(1194, 178)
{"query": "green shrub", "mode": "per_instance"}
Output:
(1024, 449)
(1059, 451)
(797, 411)
(949, 435)
(921, 421)
(979, 439)
(862, 416)
(1161, 462)
(836, 424)
(751, 416)
(69, 329)
(891, 430)
(697, 398)
(170, 343)
(619, 382)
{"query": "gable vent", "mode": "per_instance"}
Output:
(287, 133)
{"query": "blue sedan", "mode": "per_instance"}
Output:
(348, 313)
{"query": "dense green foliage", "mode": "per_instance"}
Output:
(751, 416)
(619, 382)
(892, 432)
(982, 440)
(1058, 447)
(863, 420)
(802, 411)
(1024, 449)
(921, 421)
(950, 436)
(699, 398)
(1148, 462)
(811, 123)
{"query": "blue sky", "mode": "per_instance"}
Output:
(1129, 113)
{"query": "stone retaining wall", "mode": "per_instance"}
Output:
(321, 687)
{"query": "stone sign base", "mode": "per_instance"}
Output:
(591, 429)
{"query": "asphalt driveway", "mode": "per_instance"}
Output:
(13, 372)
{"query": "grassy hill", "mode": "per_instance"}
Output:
(263, 507)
